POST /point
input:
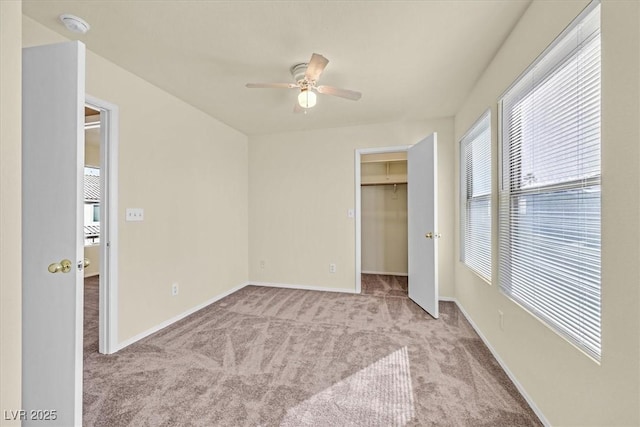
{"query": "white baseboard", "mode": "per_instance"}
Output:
(303, 287)
(386, 273)
(504, 367)
(180, 316)
(450, 299)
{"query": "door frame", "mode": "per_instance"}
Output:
(108, 288)
(358, 203)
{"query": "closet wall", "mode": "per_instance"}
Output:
(384, 214)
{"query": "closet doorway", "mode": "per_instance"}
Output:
(381, 179)
(396, 219)
(383, 215)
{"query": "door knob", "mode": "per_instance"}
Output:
(431, 235)
(87, 262)
(63, 266)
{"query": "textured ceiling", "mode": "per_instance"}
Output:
(410, 59)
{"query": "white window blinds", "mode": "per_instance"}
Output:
(475, 192)
(549, 213)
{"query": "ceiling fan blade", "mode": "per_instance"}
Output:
(272, 85)
(315, 67)
(342, 93)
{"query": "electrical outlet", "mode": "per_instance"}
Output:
(174, 289)
(501, 319)
(262, 264)
(332, 268)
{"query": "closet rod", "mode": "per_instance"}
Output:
(382, 183)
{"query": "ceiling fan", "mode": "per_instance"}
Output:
(306, 76)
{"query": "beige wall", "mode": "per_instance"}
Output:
(301, 185)
(92, 158)
(10, 211)
(567, 386)
(92, 150)
(93, 254)
(384, 229)
(188, 172)
(196, 186)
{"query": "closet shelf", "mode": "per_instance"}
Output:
(384, 157)
(366, 161)
(391, 181)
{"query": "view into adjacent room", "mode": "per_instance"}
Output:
(91, 229)
(384, 223)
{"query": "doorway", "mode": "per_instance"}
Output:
(53, 100)
(422, 219)
(381, 154)
(384, 224)
(101, 125)
(91, 224)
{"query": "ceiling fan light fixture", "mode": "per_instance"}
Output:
(307, 98)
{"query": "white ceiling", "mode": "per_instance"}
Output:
(410, 59)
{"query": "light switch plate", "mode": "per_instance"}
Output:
(135, 214)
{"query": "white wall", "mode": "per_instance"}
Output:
(301, 185)
(10, 213)
(567, 386)
(384, 229)
(188, 172)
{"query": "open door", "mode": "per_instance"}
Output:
(53, 96)
(423, 224)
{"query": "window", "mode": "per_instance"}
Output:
(91, 206)
(475, 192)
(549, 213)
(96, 213)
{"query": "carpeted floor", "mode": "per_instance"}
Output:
(384, 286)
(283, 357)
(91, 297)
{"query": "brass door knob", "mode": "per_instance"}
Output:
(431, 235)
(63, 266)
(87, 262)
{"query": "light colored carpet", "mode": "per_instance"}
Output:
(91, 298)
(379, 394)
(270, 357)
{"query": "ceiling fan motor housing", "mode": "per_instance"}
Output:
(298, 71)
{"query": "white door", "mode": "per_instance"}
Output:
(52, 231)
(423, 224)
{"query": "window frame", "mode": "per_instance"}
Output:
(465, 146)
(550, 188)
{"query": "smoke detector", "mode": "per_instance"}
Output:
(75, 24)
